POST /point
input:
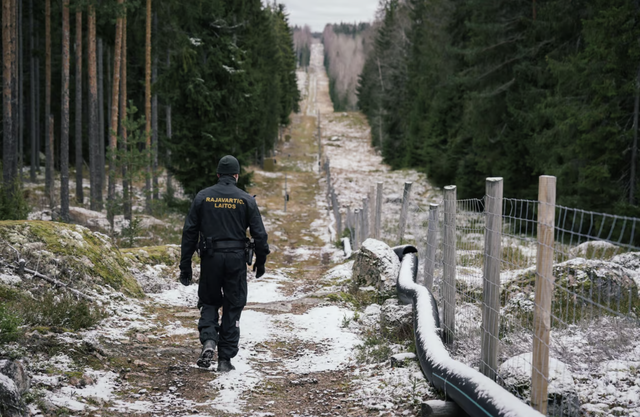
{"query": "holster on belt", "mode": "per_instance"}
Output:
(249, 248)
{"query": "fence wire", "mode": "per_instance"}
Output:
(594, 309)
(594, 338)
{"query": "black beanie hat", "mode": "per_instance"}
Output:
(228, 165)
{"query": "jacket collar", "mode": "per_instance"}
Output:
(227, 180)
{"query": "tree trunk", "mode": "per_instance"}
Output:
(154, 117)
(32, 108)
(147, 109)
(634, 146)
(15, 99)
(15, 104)
(113, 142)
(94, 155)
(123, 130)
(7, 122)
(169, 133)
(101, 136)
(64, 123)
(20, 69)
(38, 112)
(79, 190)
(48, 168)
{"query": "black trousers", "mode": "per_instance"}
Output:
(223, 283)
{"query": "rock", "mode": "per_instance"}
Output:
(377, 265)
(596, 249)
(396, 320)
(563, 399)
(11, 404)
(16, 372)
(400, 359)
(599, 282)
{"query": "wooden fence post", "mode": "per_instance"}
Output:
(361, 235)
(491, 279)
(365, 218)
(327, 168)
(449, 264)
(356, 229)
(544, 292)
(319, 142)
(378, 216)
(336, 214)
(432, 245)
(406, 196)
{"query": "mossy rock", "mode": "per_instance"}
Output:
(583, 290)
(72, 254)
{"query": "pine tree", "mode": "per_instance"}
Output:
(64, 122)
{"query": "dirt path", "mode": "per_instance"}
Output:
(306, 349)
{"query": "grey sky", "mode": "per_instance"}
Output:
(317, 13)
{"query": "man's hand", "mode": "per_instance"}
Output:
(185, 277)
(258, 269)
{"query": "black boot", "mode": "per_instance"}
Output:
(208, 348)
(224, 365)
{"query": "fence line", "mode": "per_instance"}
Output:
(593, 272)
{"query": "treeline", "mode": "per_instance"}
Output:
(210, 77)
(469, 89)
(346, 46)
(302, 39)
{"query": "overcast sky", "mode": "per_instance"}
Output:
(317, 13)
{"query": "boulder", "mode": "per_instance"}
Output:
(563, 399)
(13, 383)
(15, 370)
(586, 282)
(377, 265)
(396, 319)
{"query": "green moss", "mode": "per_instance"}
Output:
(106, 262)
(154, 255)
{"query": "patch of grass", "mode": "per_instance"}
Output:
(375, 349)
(514, 258)
(59, 312)
(9, 324)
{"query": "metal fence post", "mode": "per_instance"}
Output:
(432, 245)
(406, 195)
(378, 216)
(449, 264)
(491, 279)
(544, 292)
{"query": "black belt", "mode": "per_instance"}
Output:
(228, 244)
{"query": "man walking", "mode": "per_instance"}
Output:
(218, 221)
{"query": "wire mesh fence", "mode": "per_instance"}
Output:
(584, 344)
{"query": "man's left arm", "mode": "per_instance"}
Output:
(260, 237)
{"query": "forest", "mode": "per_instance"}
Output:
(117, 91)
(465, 90)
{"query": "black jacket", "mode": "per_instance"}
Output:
(223, 212)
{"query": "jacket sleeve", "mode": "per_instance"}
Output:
(258, 233)
(190, 235)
